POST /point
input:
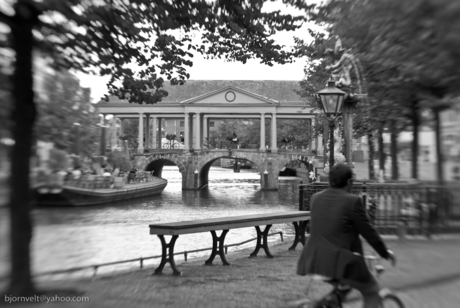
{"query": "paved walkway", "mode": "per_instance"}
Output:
(427, 275)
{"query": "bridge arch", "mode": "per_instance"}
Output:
(194, 167)
(156, 162)
(206, 162)
(303, 159)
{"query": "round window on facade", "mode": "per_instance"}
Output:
(230, 96)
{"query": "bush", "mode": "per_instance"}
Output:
(171, 137)
(58, 160)
(120, 160)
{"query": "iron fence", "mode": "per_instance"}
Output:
(95, 267)
(421, 208)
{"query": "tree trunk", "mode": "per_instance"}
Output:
(370, 140)
(394, 151)
(381, 149)
(415, 150)
(24, 114)
(439, 158)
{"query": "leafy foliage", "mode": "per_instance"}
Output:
(63, 105)
(131, 131)
(248, 132)
(109, 38)
(409, 51)
(119, 159)
(158, 37)
(298, 132)
(170, 137)
(58, 160)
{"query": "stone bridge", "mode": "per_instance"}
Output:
(194, 165)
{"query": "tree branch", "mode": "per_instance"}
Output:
(7, 19)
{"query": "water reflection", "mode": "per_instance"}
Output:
(69, 237)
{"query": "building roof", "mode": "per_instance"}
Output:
(231, 89)
(278, 90)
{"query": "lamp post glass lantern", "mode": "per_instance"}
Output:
(331, 99)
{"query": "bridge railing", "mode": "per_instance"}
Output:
(422, 208)
(146, 151)
(301, 153)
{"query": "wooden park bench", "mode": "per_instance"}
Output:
(298, 218)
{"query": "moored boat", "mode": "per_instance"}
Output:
(97, 190)
(230, 163)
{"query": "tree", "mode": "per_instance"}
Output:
(120, 160)
(62, 103)
(297, 131)
(247, 131)
(419, 49)
(106, 37)
(409, 47)
(58, 160)
(131, 130)
(6, 100)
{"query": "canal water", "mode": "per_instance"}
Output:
(71, 237)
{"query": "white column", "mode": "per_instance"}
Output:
(273, 133)
(314, 140)
(154, 133)
(191, 132)
(201, 131)
(186, 132)
(205, 132)
(113, 132)
(197, 131)
(122, 127)
(140, 139)
(159, 133)
(262, 132)
(147, 131)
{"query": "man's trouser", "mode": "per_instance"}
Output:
(370, 291)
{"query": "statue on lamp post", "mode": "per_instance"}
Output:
(348, 74)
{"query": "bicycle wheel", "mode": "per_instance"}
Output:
(390, 300)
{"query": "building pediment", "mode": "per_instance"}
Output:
(231, 96)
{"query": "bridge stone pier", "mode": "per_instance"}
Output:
(194, 165)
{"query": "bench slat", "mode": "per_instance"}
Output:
(224, 223)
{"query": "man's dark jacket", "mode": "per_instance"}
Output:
(337, 220)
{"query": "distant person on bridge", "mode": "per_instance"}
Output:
(234, 139)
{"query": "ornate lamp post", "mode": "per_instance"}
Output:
(331, 100)
(342, 70)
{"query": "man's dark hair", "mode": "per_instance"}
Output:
(339, 176)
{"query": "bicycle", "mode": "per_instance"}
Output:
(170, 145)
(336, 298)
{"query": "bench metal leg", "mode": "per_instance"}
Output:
(262, 236)
(167, 255)
(299, 233)
(215, 250)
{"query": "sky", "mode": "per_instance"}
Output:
(217, 69)
(214, 70)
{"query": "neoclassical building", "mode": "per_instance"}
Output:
(195, 109)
